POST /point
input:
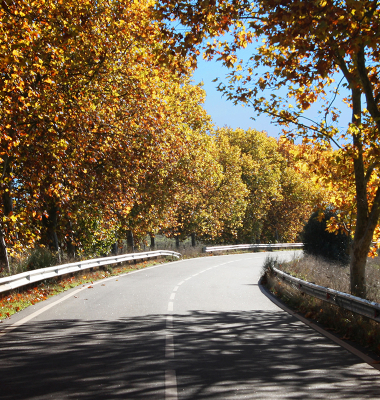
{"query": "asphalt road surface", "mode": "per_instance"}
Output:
(192, 329)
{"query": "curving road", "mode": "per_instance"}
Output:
(192, 329)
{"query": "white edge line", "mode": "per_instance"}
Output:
(35, 314)
(22, 321)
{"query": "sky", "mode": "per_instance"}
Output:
(223, 111)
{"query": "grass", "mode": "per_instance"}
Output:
(334, 275)
(349, 326)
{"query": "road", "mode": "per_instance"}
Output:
(193, 329)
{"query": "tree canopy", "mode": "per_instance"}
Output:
(302, 54)
(103, 135)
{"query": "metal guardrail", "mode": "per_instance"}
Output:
(270, 246)
(355, 304)
(25, 278)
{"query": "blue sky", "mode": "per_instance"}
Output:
(222, 111)
(225, 113)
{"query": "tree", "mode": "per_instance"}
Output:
(260, 163)
(321, 243)
(89, 108)
(300, 194)
(282, 194)
(306, 46)
(211, 196)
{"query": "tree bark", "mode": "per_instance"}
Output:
(177, 242)
(358, 251)
(4, 260)
(71, 248)
(193, 242)
(130, 242)
(366, 218)
(152, 242)
(7, 209)
(50, 223)
(115, 249)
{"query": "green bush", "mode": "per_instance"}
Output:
(40, 258)
(320, 243)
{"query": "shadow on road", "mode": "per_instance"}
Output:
(218, 355)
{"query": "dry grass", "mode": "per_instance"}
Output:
(349, 326)
(334, 275)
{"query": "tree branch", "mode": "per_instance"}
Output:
(370, 170)
(367, 87)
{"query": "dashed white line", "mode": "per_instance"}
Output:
(169, 347)
(170, 385)
(171, 391)
(169, 321)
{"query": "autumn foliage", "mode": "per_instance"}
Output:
(104, 139)
(92, 119)
(301, 54)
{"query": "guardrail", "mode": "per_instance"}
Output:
(355, 304)
(25, 278)
(269, 246)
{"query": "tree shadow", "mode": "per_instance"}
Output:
(218, 355)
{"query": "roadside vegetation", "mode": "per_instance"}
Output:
(347, 325)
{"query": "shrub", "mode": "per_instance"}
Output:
(40, 258)
(318, 242)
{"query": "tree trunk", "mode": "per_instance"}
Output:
(152, 242)
(50, 223)
(357, 269)
(115, 249)
(71, 248)
(177, 242)
(130, 242)
(358, 250)
(7, 208)
(366, 219)
(4, 261)
(193, 243)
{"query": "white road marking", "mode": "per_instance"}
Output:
(170, 385)
(170, 306)
(175, 289)
(36, 313)
(169, 346)
(169, 322)
(172, 296)
(22, 321)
